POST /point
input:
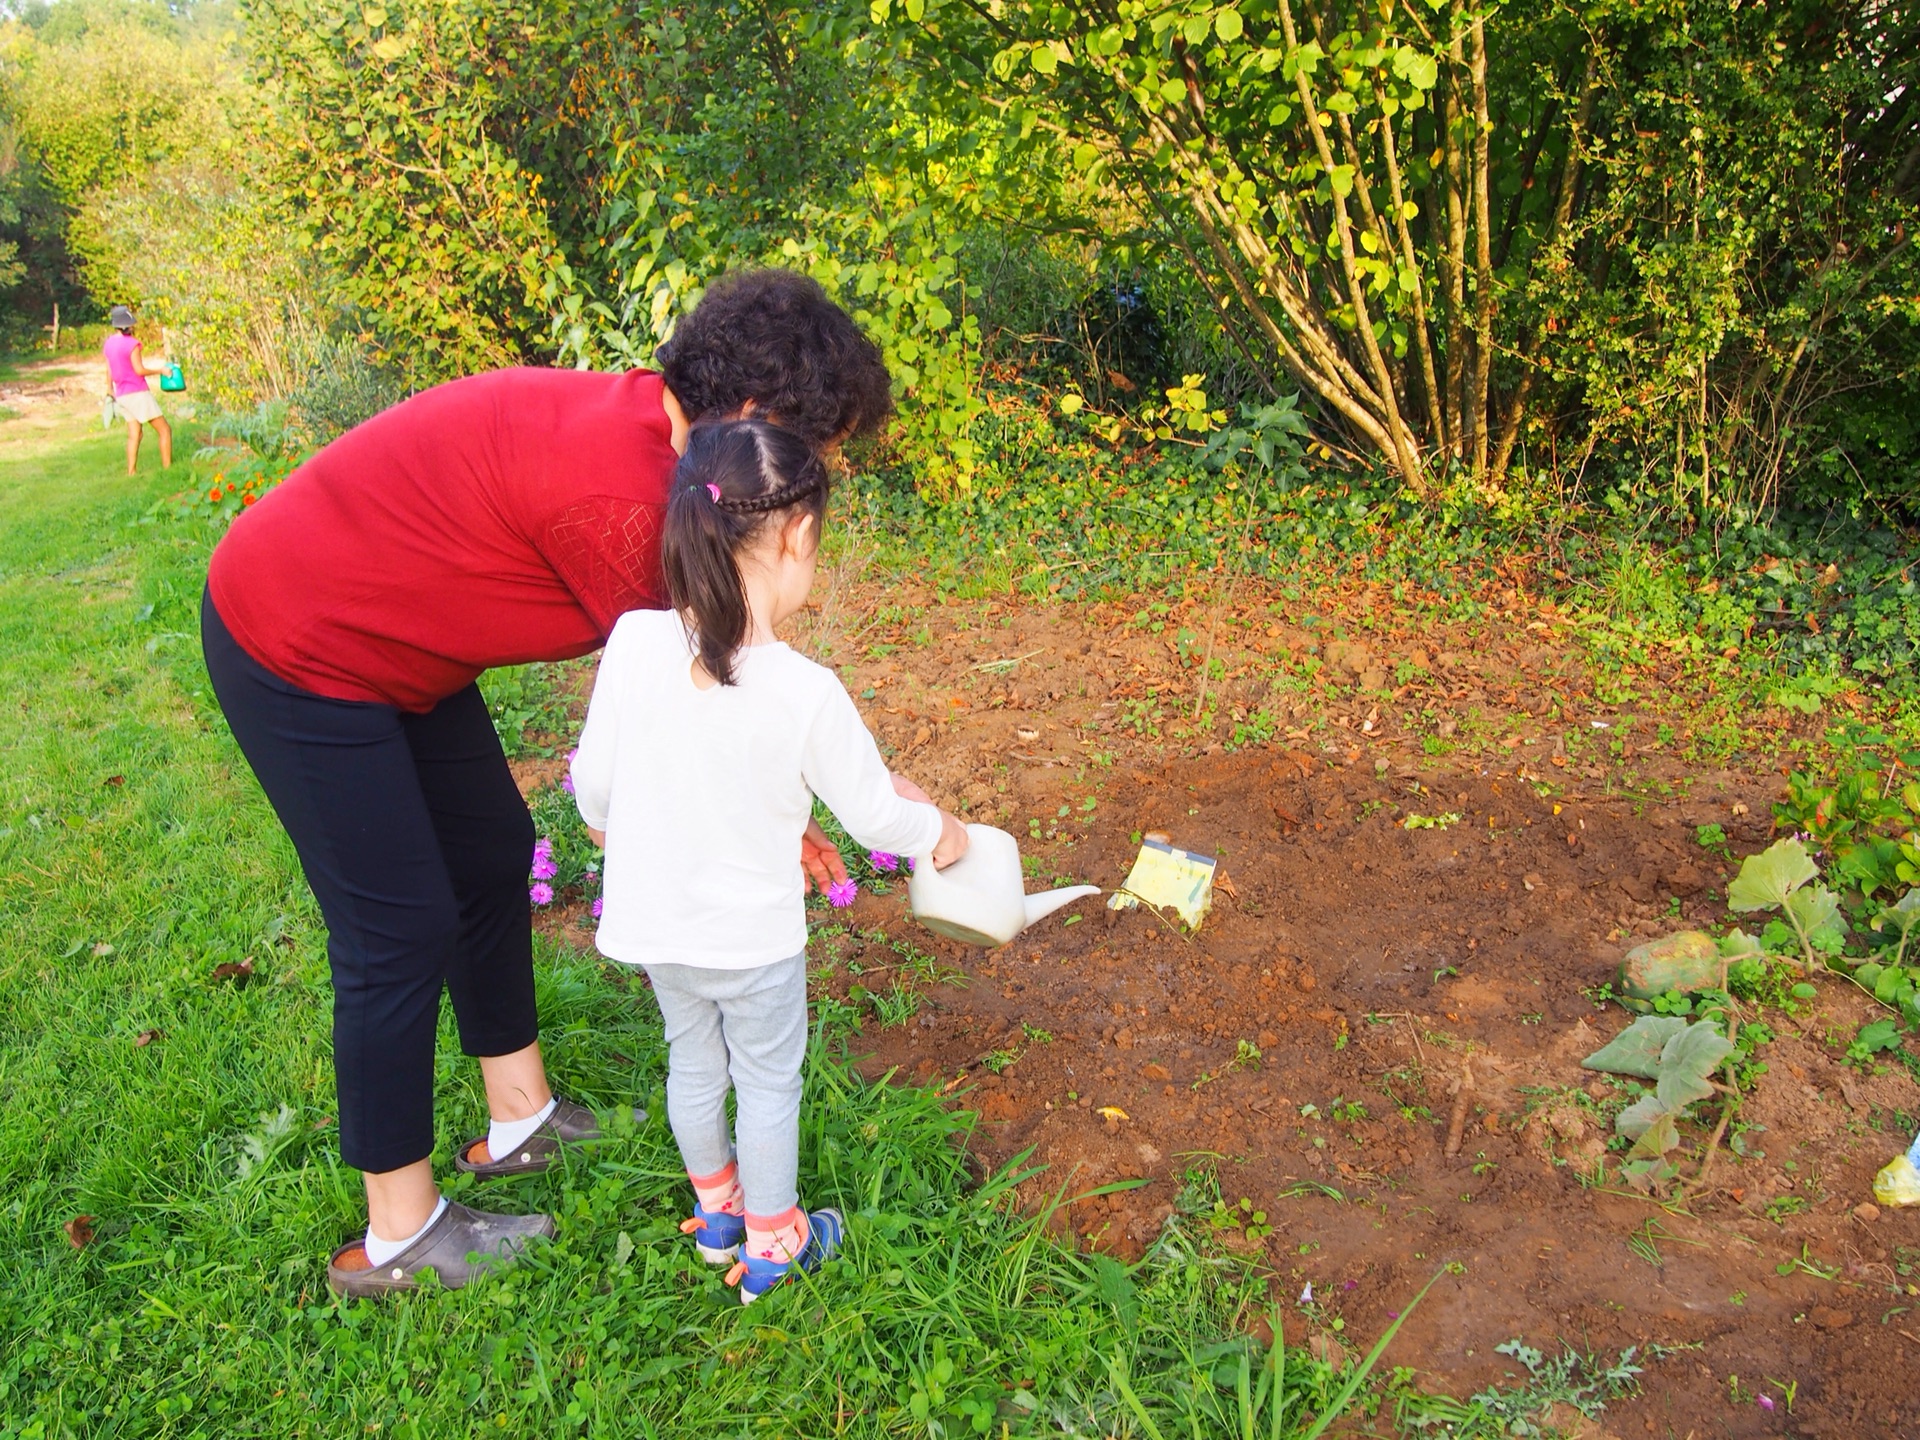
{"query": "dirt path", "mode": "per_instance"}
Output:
(1373, 968)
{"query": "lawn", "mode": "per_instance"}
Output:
(171, 1188)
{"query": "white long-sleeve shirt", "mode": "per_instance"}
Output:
(704, 795)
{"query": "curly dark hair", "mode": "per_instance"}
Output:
(774, 338)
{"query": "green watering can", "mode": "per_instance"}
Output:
(171, 379)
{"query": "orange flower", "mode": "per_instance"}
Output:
(248, 499)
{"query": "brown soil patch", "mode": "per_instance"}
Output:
(1370, 966)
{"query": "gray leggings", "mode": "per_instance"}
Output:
(747, 1028)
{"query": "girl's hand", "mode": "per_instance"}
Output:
(953, 841)
(820, 859)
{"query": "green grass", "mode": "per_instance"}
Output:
(138, 855)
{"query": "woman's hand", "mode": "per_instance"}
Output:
(953, 841)
(820, 859)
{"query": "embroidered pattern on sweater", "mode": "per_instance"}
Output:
(607, 549)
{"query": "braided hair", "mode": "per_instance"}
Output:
(737, 478)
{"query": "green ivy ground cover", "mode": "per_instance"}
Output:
(1805, 602)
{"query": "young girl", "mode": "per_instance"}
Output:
(705, 744)
(127, 371)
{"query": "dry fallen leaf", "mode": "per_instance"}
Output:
(79, 1231)
(114, 780)
(240, 974)
(1113, 1112)
(102, 950)
(1225, 885)
(147, 1037)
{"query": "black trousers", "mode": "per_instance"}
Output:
(417, 845)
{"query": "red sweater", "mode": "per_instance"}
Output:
(508, 517)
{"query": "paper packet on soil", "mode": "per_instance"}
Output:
(1898, 1182)
(1167, 878)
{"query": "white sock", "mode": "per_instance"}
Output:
(379, 1251)
(506, 1136)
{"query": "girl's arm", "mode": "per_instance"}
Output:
(843, 767)
(592, 767)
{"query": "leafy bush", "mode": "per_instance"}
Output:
(200, 248)
(95, 94)
(1482, 237)
(339, 386)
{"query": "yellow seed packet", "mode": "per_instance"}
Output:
(1170, 879)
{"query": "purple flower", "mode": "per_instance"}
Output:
(599, 903)
(541, 893)
(908, 862)
(1766, 1402)
(544, 868)
(840, 896)
(883, 861)
(566, 783)
(542, 849)
(571, 753)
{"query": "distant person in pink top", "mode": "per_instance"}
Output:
(127, 370)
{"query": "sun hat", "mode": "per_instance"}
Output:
(120, 318)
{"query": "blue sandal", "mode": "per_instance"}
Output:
(716, 1234)
(756, 1276)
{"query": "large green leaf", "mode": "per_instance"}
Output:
(1636, 1050)
(1660, 1136)
(1765, 880)
(1900, 916)
(1639, 1117)
(1818, 912)
(1686, 1062)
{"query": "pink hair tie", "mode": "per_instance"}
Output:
(714, 491)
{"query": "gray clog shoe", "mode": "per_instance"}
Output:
(570, 1124)
(461, 1244)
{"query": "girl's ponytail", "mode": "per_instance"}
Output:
(736, 477)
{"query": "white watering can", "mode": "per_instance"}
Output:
(981, 898)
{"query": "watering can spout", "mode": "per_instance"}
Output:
(1047, 901)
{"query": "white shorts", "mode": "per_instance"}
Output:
(140, 405)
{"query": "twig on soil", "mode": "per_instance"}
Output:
(1413, 1030)
(1462, 1101)
(1154, 910)
(1713, 1149)
(1009, 664)
(1732, 1092)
